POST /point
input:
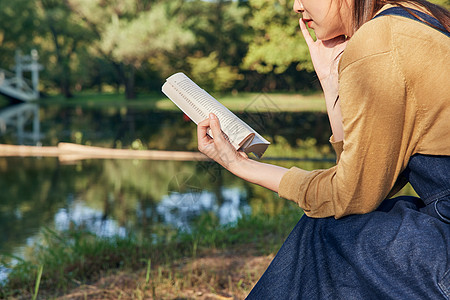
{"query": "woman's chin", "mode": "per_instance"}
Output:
(320, 35)
(327, 37)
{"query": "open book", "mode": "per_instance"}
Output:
(196, 103)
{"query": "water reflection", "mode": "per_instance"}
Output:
(79, 215)
(127, 126)
(22, 120)
(178, 209)
(110, 196)
(115, 126)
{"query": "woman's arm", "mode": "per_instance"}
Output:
(325, 56)
(237, 162)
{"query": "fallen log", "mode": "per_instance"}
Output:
(72, 152)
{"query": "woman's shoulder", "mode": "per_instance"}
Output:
(386, 33)
(372, 38)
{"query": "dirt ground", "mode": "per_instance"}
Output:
(214, 274)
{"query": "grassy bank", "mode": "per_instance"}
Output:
(210, 262)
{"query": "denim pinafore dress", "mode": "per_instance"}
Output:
(399, 251)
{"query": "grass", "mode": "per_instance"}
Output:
(210, 260)
(239, 102)
(38, 282)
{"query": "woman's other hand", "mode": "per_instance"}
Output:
(325, 56)
(218, 148)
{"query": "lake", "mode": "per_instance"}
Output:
(115, 197)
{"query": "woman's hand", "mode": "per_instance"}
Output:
(237, 162)
(325, 56)
(218, 148)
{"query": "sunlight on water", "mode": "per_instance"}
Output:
(177, 208)
(82, 216)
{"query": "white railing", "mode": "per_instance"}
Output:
(15, 85)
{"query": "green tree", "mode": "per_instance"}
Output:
(220, 29)
(62, 37)
(18, 25)
(277, 42)
(49, 27)
(130, 33)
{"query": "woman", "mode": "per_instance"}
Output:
(388, 101)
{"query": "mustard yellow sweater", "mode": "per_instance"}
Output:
(394, 87)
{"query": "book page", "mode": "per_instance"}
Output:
(197, 104)
(258, 145)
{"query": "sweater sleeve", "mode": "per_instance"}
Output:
(377, 140)
(338, 147)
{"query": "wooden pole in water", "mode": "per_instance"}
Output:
(73, 152)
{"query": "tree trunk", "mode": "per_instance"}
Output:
(63, 63)
(65, 81)
(130, 92)
(126, 76)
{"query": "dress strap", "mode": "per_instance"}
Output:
(424, 18)
(429, 175)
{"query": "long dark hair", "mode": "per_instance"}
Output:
(364, 10)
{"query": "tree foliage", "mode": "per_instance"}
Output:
(276, 42)
(136, 44)
(129, 33)
(16, 28)
(62, 37)
(251, 45)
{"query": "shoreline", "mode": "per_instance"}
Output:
(211, 262)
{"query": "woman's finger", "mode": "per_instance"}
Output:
(215, 127)
(202, 129)
(243, 154)
(308, 38)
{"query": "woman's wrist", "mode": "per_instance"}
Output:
(266, 175)
(241, 166)
(330, 86)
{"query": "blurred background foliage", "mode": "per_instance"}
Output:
(133, 45)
